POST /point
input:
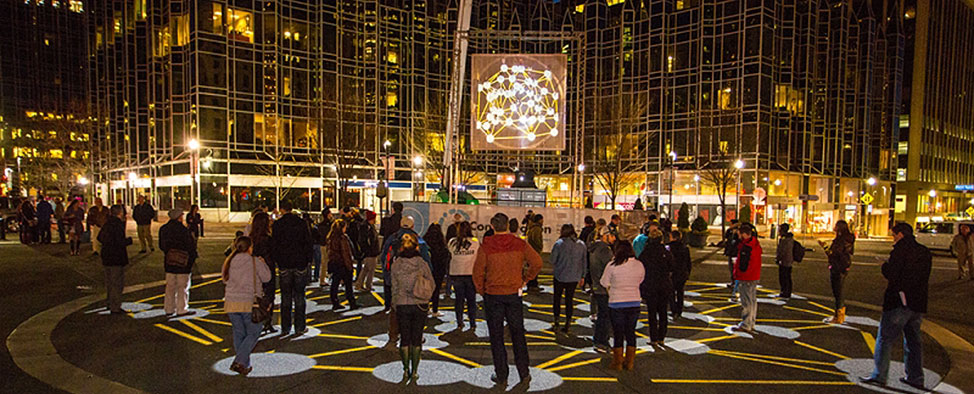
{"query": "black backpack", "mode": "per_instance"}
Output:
(797, 252)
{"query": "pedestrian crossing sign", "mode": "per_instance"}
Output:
(970, 211)
(866, 199)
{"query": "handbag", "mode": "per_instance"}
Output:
(423, 288)
(261, 310)
(177, 258)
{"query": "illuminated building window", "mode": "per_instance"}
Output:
(392, 56)
(139, 10)
(57, 154)
(240, 25)
(180, 28)
(679, 4)
(726, 98)
(392, 99)
(76, 6)
(217, 18)
(580, 8)
(287, 86)
(614, 2)
(161, 47)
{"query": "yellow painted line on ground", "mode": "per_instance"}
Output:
(155, 297)
(541, 312)
(870, 341)
(772, 320)
(328, 323)
(581, 300)
(307, 293)
(778, 382)
(707, 289)
(542, 306)
(343, 368)
(558, 359)
(813, 327)
(205, 302)
(551, 343)
(539, 337)
(319, 297)
(763, 290)
(770, 357)
(722, 324)
(822, 306)
(806, 311)
(217, 280)
(200, 330)
(544, 331)
(780, 364)
(573, 365)
(378, 298)
(341, 336)
(641, 334)
(696, 328)
(183, 334)
(715, 339)
(586, 379)
(818, 349)
(455, 358)
(222, 323)
(718, 309)
(343, 351)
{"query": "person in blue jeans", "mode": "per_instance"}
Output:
(243, 274)
(599, 256)
(291, 251)
(623, 278)
(904, 303)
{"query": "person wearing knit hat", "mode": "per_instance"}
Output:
(370, 249)
(406, 222)
(175, 214)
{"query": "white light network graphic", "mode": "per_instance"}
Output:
(518, 103)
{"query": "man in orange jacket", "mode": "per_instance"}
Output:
(499, 275)
(747, 273)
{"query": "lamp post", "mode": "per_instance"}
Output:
(581, 186)
(739, 164)
(194, 149)
(672, 171)
(696, 196)
(417, 176)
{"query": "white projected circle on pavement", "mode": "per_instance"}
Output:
(268, 365)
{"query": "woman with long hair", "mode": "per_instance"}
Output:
(242, 275)
(194, 221)
(568, 256)
(410, 310)
(340, 263)
(463, 249)
(839, 253)
(622, 278)
(74, 222)
(440, 259)
(260, 237)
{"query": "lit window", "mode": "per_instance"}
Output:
(614, 2)
(180, 29)
(392, 57)
(76, 6)
(240, 25)
(287, 86)
(580, 8)
(392, 99)
(57, 154)
(679, 4)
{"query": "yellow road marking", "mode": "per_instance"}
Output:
(544, 331)
(558, 359)
(696, 328)
(200, 330)
(455, 358)
(714, 339)
(343, 368)
(641, 334)
(205, 302)
(542, 306)
(806, 311)
(770, 357)
(341, 336)
(206, 283)
(822, 306)
(722, 324)
(319, 297)
(813, 327)
(781, 364)
(222, 323)
(870, 341)
(155, 297)
(378, 298)
(539, 337)
(818, 349)
(183, 334)
(584, 379)
(541, 312)
(781, 382)
(718, 309)
(509, 344)
(772, 320)
(573, 365)
(343, 351)
(328, 323)
(707, 289)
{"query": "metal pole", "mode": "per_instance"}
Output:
(456, 91)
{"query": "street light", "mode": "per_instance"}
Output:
(387, 144)
(739, 164)
(932, 193)
(672, 171)
(418, 160)
(581, 167)
(133, 176)
(194, 148)
(83, 181)
(193, 144)
(871, 181)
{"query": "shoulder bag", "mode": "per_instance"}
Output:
(261, 311)
(177, 258)
(423, 287)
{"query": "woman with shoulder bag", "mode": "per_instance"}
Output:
(412, 285)
(840, 260)
(243, 274)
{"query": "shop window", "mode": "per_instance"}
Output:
(213, 192)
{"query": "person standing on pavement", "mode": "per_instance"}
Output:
(44, 214)
(73, 219)
(59, 219)
(341, 263)
(785, 257)
(370, 251)
(451, 232)
(657, 287)
(747, 274)
(315, 247)
(499, 273)
(908, 276)
(27, 217)
(242, 275)
(623, 279)
(390, 249)
(97, 217)
(960, 246)
(179, 250)
(588, 234)
(353, 224)
(840, 260)
(114, 256)
(568, 257)
(535, 236)
(440, 259)
(463, 249)
(291, 251)
(731, 247)
(639, 242)
(410, 309)
(194, 221)
(599, 256)
(320, 232)
(682, 265)
(390, 224)
(144, 214)
(615, 224)
(260, 239)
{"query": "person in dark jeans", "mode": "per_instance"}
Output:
(463, 249)
(682, 265)
(340, 264)
(114, 256)
(410, 310)
(731, 238)
(568, 257)
(291, 251)
(657, 287)
(440, 259)
(904, 303)
(785, 257)
(623, 278)
(599, 256)
(499, 274)
(840, 260)
(260, 237)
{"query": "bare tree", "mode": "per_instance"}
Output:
(429, 140)
(53, 153)
(617, 159)
(720, 174)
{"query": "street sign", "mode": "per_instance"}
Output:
(866, 199)
(807, 197)
(970, 212)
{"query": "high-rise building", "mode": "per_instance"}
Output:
(936, 145)
(44, 128)
(295, 99)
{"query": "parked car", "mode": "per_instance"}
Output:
(938, 235)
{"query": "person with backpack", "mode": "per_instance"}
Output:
(747, 274)
(568, 256)
(390, 249)
(840, 260)
(730, 242)
(178, 247)
(785, 257)
(463, 249)
(340, 264)
(682, 265)
(242, 274)
(588, 234)
(413, 284)
(624, 278)
(657, 287)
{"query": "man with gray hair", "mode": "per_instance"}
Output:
(179, 248)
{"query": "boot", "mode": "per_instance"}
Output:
(840, 316)
(405, 355)
(616, 363)
(630, 358)
(414, 355)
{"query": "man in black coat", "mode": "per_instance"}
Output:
(908, 274)
(681, 269)
(657, 287)
(178, 245)
(144, 214)
(291, 251)
(114, 256)
(390, 224)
